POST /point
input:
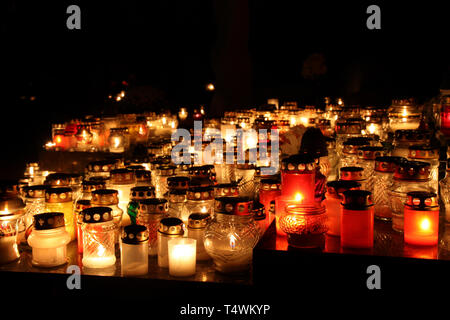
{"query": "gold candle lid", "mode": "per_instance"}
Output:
(122, 176)
(171, 227)
(57, 179)
(422, 200)
(424, 152)
(153, 206)
(142, 192)
(240, 206)
(105, 197)
(226, 190)
(412, 170)
(101, 166)
(58, 195)
(200, 193)
(36, 191)
(198, 220)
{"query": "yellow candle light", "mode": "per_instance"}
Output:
(182, 257)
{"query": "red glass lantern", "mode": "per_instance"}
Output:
(298, 177)
(445, 115)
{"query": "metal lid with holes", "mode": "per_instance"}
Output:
(424, 152)
(153, 206)
(122, 176)
(352, 145)
(75, 179)
(351, 173)
(166, 170)
(171, 227)
(412, 171)
(135, 234)
(101, 166)
(11, 206)
(142, 192)
(143, 176)
(178, 182)
(240, 206)
(259, 212)
(57, 179)
(387, 163)
(82, 204)
(58, 194)
(198, 220)
(48, 220)
(348, 127)
(300, 163)
(200, 182)
(337, 187)
(202, 171)
(412, 136)
(91, 185)
(370, 152)
(97, 215)
(105, 197)
(226, 190)
(357, 199)
(270, 185)
(422, 200)
(177, 196)
(200, 193)
(36, 191)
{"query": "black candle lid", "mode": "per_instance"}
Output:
(153, 206)
(299, 163)
(48, 220)
(357, 199)
(412, 171)
(370, 152)
(422, 200)
(142, 192)
(351, 173)
(337, 187)
(198, 220)
(135, 234)
(97, 214)
(233, 205)
(171, 226)
(387, 163)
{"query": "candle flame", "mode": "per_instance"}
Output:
(232, 241)
(101, 250)
(304, 120)
(425, 224)
(203, 210)
(298, 197)
(371, 128)
(116, 142)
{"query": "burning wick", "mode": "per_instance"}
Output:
(298, 197)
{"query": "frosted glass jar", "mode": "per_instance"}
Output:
(98, 238)
(408, 176)
(150, 213)
(231, 235)
(197, 223)
(49, 240)
(59, 199)
(169, 228)
(134, 250)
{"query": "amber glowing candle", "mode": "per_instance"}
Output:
(421, 218)
(269, 190)
(357, 219)
(298, 177)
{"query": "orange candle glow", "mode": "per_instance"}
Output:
(281, 203)
(421, 226)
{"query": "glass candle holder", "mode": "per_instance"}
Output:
(98, 237)
(357, 219)
(231, 235)
(169, 228)
(177, 204)
(109, 198)
(353, 174)
(88, 186)
(137, 194)
(100, 168)
(84, 138)
(178, 183)
(134, 250)
(143, 178)
(163, 173)
(79, 207)
(59, 199)
(404, 139)
(57, 179)
(428, 154)
(150, 213)
(298, 177)
(444, 190)
(11, 210)
(122, 180)
(34, 198)
(245, 178)
(117, 140)
(421, 219)
(49, 240)
(197, 223)
(333, 203)
(382, 180)
(60, 139)
(366, 160)
(304, 225)
(199, 199)
(445, 115)
(350, 147)
(260, 217)
(408, 176)
(226, 190)
(204, 172)
(269, 190)
(404, 115)
(182, 256)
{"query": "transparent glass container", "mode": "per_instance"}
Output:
(408, 176)
(122, 180)
(430, 154)
(245, 178)
(348, 156)
(134, 250)
(163, 173)
(404, 139)
(49, 240)
(199, 200)
(196, 227)
(404, 115)
(11, 210)
(366, 160)
(150, 213)
(382, 181)
(109, 198)
(59, 199)
(98, 238)
(444, 190)
(34, 198)
(169, 228)
(231, 235)
(177, 204)
(117, 140)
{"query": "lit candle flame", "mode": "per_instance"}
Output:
(210, 87)
(116, 142)
(101, 250)
(232, 241)
(304, 120)
(298, 197)
(425, 224)
(203, 210)
(371, 128)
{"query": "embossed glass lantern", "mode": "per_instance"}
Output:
(382, 181)
(177, 204)
(169, 228)
(137, 194)
(163, 173)
(196, 227)
(333, 203)
(428, 154)
(232, 234)
(366, 160)
(59, 199)
(98, 237)
(444, 190)
(109, 198)
(357, 219)
(49, 240)
(404, 139)
(134, 250)
(199, 199)
(404, 115)
(11, 210)
(421, 218)
(34, 198)
(408, 176)
(122, 180)
(353, 174)
(150, 213)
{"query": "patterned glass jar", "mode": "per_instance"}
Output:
(98, 238)
(353, 174)
(122, 180)
(199, 200)
(150, 213)
(177, 204)
(163, 173)
(231, 235)
(403, 139)
(34, 198)
(444, 190)
(59, 199)
(366, 160)
(245, 178)
(109, 198)
(408, 176)
(428, 154)
(382, 180)
(350, 147)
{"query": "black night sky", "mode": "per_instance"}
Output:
(250, 49)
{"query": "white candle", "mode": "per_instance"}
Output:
(182, 256)
(98, 262)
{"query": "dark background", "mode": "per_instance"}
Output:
(169, 50)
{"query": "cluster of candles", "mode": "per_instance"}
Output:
(184, 214)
